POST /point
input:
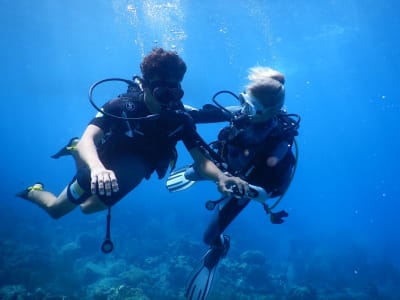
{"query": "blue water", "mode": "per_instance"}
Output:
(341, 62)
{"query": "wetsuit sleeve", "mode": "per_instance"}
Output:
(208, 114)
(190, 137)
(103, 121)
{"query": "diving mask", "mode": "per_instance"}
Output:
(166, 92)
(252, 107)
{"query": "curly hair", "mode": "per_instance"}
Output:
(163, 65)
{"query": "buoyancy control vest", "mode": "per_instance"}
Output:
(261, 153)
(140, 133)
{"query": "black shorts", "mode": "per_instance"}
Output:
(129, 170)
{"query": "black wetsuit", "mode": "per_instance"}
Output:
(244, 147)
(134, 149)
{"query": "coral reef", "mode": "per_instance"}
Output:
(74, 268)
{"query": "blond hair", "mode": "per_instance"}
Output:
(259, 73)
(267, 85)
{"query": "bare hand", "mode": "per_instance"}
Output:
(103, 181)
(225, 184)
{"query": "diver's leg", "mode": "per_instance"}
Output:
(183, 178)
(68, 149)
(79, 163)
(129, 170)
(56, 207)
(200, 280)
(92, 205)
(71, 149)
(222, 218)
(192, 174)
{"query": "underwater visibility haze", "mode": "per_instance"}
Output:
(341, 63)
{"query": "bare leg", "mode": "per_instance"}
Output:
(56, 207)
(59, 206)
(92, 204)
(78, 162)
(67, 149)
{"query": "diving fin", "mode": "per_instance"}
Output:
(67, 149)
(200, 281)
(38, 186)
(177, 180)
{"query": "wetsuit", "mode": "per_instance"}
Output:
(245, 146)
(134, 149)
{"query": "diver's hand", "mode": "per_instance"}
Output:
(255, 193)
(225, 184)
(103, 181)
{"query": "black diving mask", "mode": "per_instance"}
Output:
(166, 92)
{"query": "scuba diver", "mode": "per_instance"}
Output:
(257, 147)
(131, 137)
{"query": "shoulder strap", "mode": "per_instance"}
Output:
(133, 91)
(288, 124)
